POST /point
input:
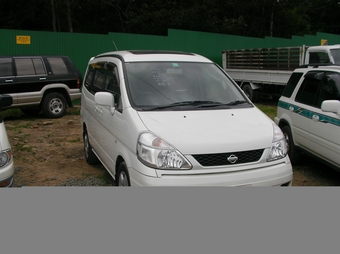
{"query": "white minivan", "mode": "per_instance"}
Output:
(164, 118)
(6, 155)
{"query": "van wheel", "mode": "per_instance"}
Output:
(90, 157)
(251, 94)
(122, 176)
(293, 152)
(54, 105)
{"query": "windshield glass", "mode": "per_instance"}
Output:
(180, 84)
(336, 56)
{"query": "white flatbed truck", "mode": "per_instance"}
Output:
(264, 72)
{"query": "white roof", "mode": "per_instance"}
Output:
(156, 55)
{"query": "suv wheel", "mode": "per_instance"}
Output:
(122, 177)
(54, 105)
(90, 157)
(293, 153)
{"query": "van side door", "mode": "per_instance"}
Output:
(110, 123)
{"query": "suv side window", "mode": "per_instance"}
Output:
(330, 87)
(58, 65)
(308, 90)
(291, 84)
(6, 69)
(29, 66)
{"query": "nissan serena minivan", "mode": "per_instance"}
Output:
(163, 118)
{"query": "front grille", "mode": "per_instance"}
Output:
(221, 159)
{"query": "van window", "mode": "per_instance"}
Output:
(58, 65)
(29, 66)
(6, 68)
(99, 78)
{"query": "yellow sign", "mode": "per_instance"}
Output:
(324, 42)
(23, 39)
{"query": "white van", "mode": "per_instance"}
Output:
(160, 118)
(6, 155)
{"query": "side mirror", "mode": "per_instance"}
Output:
(5, 100)
(331, 106)
(105, 99)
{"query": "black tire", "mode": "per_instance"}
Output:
(250, 93)
(54, 105)
(90, 157)
(293, 152)
(122, 176)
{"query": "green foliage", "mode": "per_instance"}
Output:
(269, 110)
(255, 18)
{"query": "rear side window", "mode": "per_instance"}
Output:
(29, 66)
(6, 68)
(58, 65)
(319, 86)
(292, 82)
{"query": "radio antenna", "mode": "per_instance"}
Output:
(114, 44)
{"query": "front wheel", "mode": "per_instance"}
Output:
(90, 157)
(122, 176)
(54, 105)
(293, 153)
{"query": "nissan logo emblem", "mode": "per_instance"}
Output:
(232, 159)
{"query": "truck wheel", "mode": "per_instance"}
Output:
(251, 94)
(122, 176)
(90, 157)
(54, 105)
(293, 153)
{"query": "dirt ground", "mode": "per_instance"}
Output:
(49, 152)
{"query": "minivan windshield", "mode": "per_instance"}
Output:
(181, 85)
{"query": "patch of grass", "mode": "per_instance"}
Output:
(11, 113)
(269, 110)
(75, 140)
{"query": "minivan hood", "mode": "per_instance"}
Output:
(211, 131)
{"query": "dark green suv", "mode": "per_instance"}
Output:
(40, 83)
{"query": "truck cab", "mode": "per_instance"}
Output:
(323, 55)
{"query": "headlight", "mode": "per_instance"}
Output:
(279, 145)
(156, 153)
(5, 157)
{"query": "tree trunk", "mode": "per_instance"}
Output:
(69, 18)
(54, 27)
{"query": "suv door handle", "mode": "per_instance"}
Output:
(9, 80)
(315, 118)
(42, 78)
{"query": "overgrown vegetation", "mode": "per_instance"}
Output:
(255, 18)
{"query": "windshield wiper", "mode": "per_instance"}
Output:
(236, 102)
(189, 103)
